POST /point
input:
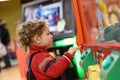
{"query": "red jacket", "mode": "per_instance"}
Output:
(45, 67)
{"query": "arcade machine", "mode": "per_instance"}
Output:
(100, 56)
(64, 20)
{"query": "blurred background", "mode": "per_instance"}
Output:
(84, 22)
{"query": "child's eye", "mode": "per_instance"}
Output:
(48, 33)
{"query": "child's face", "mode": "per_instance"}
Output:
(46, 38)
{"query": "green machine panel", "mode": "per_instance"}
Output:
(87, 59)
(110, 67)
(72, 41)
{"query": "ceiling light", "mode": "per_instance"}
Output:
(4, 0)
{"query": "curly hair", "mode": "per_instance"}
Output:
(26, 32)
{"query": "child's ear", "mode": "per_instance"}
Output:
(37, 39)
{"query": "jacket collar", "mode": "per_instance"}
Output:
(36, 48)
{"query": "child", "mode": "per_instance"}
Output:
(36, 35)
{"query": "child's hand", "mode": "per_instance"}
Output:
(72, 50)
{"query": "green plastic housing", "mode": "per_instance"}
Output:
(110, 67)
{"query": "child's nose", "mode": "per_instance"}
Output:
(51, 36)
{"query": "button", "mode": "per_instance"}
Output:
(84, 54)
(107, 62)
